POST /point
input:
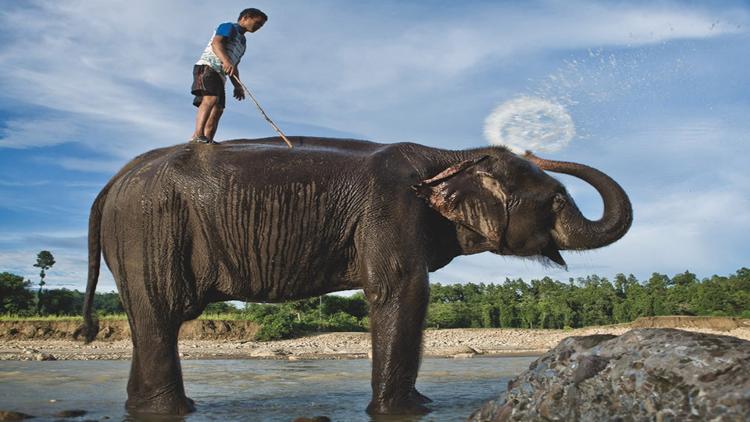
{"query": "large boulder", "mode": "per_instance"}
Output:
(645, 374)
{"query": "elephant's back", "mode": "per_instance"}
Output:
(258, 156)
(268, 161)
(307, 144)
(316, 158)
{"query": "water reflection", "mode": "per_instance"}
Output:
(253, 389)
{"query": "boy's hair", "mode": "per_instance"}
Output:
(252, 13)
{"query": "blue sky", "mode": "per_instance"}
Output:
(658, 91)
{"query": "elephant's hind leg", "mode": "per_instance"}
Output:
(147, 243)
(155, 384)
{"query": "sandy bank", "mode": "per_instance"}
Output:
(456, 343)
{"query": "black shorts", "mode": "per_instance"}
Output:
(207, 81)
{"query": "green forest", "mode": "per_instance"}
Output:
(543, 303)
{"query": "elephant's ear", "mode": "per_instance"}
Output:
(467, 195)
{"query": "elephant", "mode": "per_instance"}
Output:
(252, 220)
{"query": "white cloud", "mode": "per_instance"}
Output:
(90, 165)
(71, 259)
(75, 57)
(18, 202)
(699, 231)
(27, 184)
(29, 133)
(587, 24)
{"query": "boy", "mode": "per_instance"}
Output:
(219, 61)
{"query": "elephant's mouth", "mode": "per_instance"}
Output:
(549, 256)
(553, 254)
(548, 253)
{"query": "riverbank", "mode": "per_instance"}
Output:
(450, 343)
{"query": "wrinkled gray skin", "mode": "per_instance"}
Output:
(252, 220)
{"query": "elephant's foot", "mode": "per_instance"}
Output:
(419, 397)
(410, 406)
(161, 403)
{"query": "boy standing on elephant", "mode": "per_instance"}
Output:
(220, 59)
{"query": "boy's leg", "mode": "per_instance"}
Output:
(208, 88)
(213, 121)
(207, 105)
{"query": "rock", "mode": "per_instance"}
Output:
(643, 375)
(6, 415)
(76, 413)
(463, 355)
(44, 356)
(106, 332)
(457, 352)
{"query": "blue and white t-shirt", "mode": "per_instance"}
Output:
(234, 46)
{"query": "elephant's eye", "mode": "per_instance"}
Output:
(558, 202)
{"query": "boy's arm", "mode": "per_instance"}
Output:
(218, 47)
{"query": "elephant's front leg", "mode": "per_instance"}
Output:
(396, 322)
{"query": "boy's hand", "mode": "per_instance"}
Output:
(239, 93)
(229, 69)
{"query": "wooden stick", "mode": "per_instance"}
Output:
(250, 94)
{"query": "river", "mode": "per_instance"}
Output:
(253, 390)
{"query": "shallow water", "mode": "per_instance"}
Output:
(262, 390)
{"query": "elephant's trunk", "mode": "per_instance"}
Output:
(572, 230)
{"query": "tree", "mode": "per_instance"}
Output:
(45, 261)
(108, 303)
(220, 308)
(62, 302)
(657, 290)
(680, 292)
(528, 311)
(445, 315)
(15, 296)
(355, 305)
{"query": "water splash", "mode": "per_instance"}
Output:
(530, 123)
(622, 82)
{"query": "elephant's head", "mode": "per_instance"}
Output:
(506, 204)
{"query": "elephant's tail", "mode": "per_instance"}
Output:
(90, 327)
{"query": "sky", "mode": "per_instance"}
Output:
(657, 93)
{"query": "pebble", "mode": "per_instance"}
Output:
(444, 343)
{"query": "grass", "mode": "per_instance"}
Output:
(233, 316)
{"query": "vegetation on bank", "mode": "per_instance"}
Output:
(544, 303)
